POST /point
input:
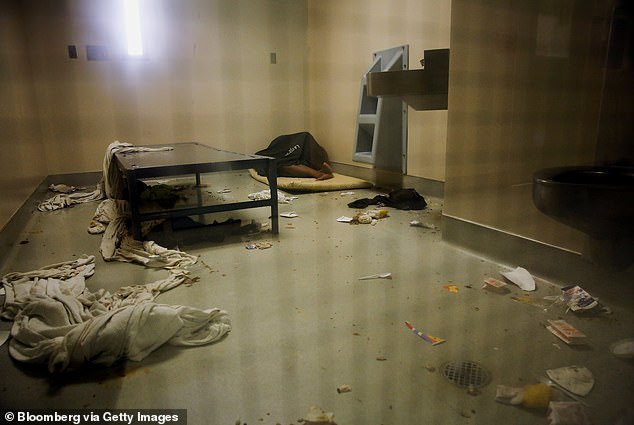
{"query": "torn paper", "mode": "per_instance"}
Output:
(521, 277)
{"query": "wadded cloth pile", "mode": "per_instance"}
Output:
(57, 320)
(113, 213)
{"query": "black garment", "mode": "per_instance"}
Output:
(295, 149)
(402, 199)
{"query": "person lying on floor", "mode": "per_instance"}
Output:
(298, 155)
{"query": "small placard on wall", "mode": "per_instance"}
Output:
(97, 53)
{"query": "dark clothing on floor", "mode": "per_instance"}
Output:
(295, 149)
(402, 199)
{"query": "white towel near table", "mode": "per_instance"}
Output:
(57, 320)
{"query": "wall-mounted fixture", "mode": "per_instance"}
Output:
(422, 89)
(381, 134)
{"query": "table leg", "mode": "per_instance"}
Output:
(133, 194)
(272, 177)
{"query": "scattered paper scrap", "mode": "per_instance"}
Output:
(258, 245)
(577, 298)
(344, 219)
(495, 285)
(535, 396)
(266, 194)
(344, 389)
(224, 191)
(316, 415)
(429, 338)
(568, 412)
(577, 380)
(451, 288)
(566, 332)
(386, 275)
(346, 193)
(521, 277)
(291, 214)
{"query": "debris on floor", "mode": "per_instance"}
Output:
(366, 217)
(416, 223)
(291, 214)
(344, 388)
(258, 245)
(581, 302)
(451, 288)
(344, 219)
(402, 199)
(495, 285)
(266, 194)
(521, 277)
(623, 348)
(532, 396)
(386, 275)
(542, 303)
(568, 413)
(566, 332)
(575, 379)
(429, 338)
(317, 416)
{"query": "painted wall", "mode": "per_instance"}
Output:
(207, 76)
(525, 89)
(525, 86)
(22, 165)
(342, 36)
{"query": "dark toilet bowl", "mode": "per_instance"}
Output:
(598, 201)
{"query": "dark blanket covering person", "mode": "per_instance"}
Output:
(298, 155)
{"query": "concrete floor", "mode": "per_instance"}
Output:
(304, 324)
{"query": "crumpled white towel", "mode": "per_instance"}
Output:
(63, 200)
(114, 183)
(57, 320)
(118, 244)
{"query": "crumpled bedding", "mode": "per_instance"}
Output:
(118, 244)
(111, 186)
(58, 321)
(112, 215)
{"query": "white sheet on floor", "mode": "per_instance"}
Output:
(57, 320)
(63, 200)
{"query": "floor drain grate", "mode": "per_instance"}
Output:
(466, 374)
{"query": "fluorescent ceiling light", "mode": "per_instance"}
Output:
(133, 27)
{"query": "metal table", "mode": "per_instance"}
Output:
(192, 158)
